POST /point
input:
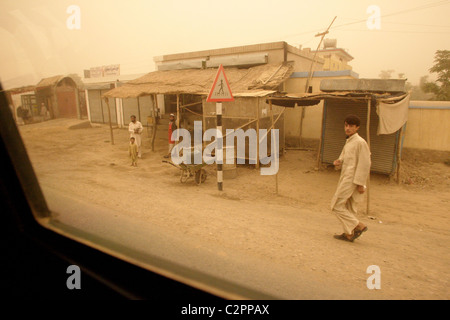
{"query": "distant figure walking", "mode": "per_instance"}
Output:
(44, 112)
(135, 128)
(19, 112)
(24, 114)
(355, 163)
(133, 152)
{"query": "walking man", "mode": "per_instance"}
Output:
(135, 128)
(354, 163)
(43, 112)
(20, 120)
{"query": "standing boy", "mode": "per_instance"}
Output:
(355, 163)
(135, 128)
(133, 152)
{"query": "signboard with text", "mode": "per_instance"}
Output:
(105, 71)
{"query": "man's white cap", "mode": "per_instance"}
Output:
(172, 115)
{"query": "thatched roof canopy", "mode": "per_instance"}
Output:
(199, 81)
(310, 99)
(48, 82)
(21, 89)
(53, 81)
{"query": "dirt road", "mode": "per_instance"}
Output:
(409, 224)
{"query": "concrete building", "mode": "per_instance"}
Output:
(302, 126)
(184, 80)
(120, 109)
(61, 95)
(336, 59)
(242, 57)
(25, 97)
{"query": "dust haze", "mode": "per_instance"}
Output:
(37, 42)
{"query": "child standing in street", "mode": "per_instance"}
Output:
(133, 151)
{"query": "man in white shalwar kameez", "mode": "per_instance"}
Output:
(354, 162)
(135, 128)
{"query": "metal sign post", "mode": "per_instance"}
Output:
(220, 91)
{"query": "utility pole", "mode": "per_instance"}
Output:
(310, 74)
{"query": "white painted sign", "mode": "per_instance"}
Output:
(104, 71)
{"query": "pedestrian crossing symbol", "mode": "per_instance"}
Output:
(220, 90)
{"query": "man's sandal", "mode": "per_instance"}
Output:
(344, 237)
(358, 233)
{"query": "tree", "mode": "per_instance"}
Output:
(416, 90)
(386, 74)
(441, 87)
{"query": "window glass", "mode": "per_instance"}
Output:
(75, 72)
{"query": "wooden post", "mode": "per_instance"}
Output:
(300, 140)
(178, 111)
(257, 134)
(110, 124)
(399, 145)
(155, 108)
(139, 110)
(319, 149)
(284, 132)
(274, 147)
(204, 121)
(368, 143)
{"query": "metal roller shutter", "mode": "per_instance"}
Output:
(112, 109)
(383, 147)
(95, 106)
(145, 109)
(130, 107)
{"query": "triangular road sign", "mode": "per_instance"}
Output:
(220, 90)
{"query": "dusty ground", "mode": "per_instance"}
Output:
(409, 223)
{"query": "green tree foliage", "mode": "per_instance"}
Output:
(441, 87)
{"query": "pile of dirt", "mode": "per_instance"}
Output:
(425, 168)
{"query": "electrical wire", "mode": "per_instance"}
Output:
(397, 31)
(423, 7)
(431, 5)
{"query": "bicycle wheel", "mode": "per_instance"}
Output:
(200, 176)
(184, 176)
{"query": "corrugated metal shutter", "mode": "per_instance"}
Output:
(95, 106)
(145, 109)
(112, 109)
(383, 147)
(130, 107)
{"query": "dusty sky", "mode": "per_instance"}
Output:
(37, 43)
